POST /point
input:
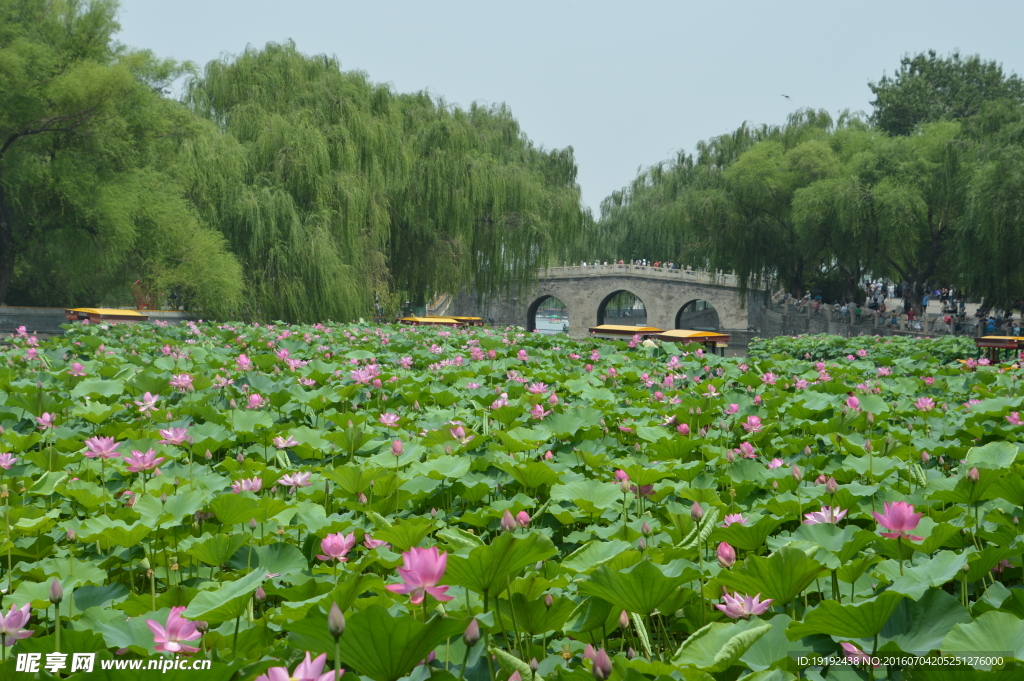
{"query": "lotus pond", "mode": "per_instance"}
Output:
(292, 502)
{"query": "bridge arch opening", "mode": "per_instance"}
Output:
(623, 308)
(547, 315)
(699, 315)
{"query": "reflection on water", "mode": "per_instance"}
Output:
(552, 325)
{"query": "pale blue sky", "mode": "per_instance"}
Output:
(626, 84)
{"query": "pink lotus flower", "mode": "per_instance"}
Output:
(752, 424)
(181, 383)
(775, 463)
(828, 514)
(174, 436)
(282, 443)
(139, 462)
(862, 353)
(538, 412)
(255, 401)
(148, 403)
(746, 450)
(742, 607)
(6, 460)
(422, 571)
(1014, 418)
(307, 670)
(899, 517)
(925, 404)
(732, 409)
(801, 384)
(508, 522)
(77, 369)
(522, 519)
(102, 447)
(726, 555)
(247, 485)
(12, 626)
(769, 378)
(537, 388)
(46, 421)
(336, 546)
(405, 362)
(371, 543)
(734, 518)
(855, 654)
(243, 363)
(683, 429)
(522, 356)
(853, 403)
(293, 481)
(388, 419)
(170, 638)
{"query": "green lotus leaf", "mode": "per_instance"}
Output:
(640, 589)
(591, 495)
(593, 554)
(213, 549)
(782, 576)
(995, 455)
(488, 569)
(234, 509)
(226, 602)
(861, 620)
(746, 537)
(405, 534)
(918, 579)
(531, 475)
(771, 648)
(921, 625)
(717, 646)
(996, 633)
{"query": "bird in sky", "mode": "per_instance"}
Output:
(787, 97)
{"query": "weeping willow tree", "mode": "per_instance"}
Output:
(89, 196)
(338, 194)
(729, 206)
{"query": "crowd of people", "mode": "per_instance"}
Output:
(638, 263)
(886, 302)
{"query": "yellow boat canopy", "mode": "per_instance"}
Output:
(431, 321)
(101, 314)
(619, 330)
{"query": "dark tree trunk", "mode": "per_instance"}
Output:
(6, 245)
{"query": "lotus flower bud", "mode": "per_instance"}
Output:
(549, 600)
(72, 537)
(548, 456)
(624, 486)
(726, 555)
(169, 416)
(646, 529)
(522, 519)
(56, 592)
(335, 621)
(163, 498)
(925, 457)
(683, 429)
(362, 498)
(696, 512)
(831, 486)
(798, 475)
(775, 485)
(965, 567)
(208, 455)
(871, 417)
(202, 627)
(433, 513)
(508, 523)
(602, 665)
(261, 595)
(630, 653)
(534, 665)
(623, 619)
(641, 544)
(397, 448)
(867, 446)
(472, 634)
(232, 403)
(515, 677)
(807, 450)
(730, 456)
(973, 475)
(1016, 520)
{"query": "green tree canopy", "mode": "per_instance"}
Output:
(927, 88)
(88, 197)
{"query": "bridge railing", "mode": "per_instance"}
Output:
(687, 275)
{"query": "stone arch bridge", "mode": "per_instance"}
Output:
(668, 296)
